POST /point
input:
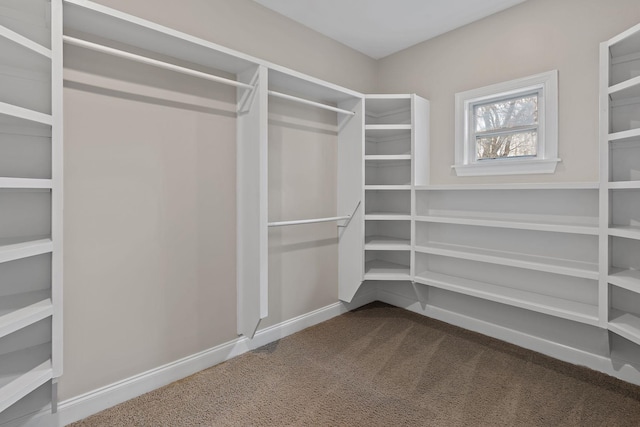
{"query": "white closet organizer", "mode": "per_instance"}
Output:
(620, 183)
(396, 157)
(31, 202)
(529, 246)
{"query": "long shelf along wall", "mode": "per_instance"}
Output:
(31, 200)
(620, 187)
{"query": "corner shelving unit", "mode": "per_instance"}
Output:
(529, 246)
(620, 183)
(31, 200)
(395, 130)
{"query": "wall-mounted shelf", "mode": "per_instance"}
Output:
(21, 310)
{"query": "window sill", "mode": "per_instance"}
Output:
(507, 167)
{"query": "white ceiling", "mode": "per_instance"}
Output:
(379, 28)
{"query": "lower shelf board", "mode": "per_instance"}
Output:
(624, 278)
(627, 325)
(21, 310)
(385, 243)
(566, 309)
(22, 372)
(385, 270)
(566, 267)
(628, 232)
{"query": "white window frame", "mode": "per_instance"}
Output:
(546, 160)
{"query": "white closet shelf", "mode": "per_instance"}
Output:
(629, 232)
(385, 270)
(24, 113)
(387, 216)
(625, 278)
(382, 157)
(627, 325)
(558, 307)
(12, 249)
(386, 243)
(24, 42)
(25, 183)
(566, 267)
(625, 136)
(23, 371)
(387, 127)
(388, 187)
(625, 90)
(21, 310)
(624, 185)
(504, 221)
(526, 186)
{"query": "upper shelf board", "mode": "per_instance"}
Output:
(625, 43)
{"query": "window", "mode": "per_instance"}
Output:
(508, 128)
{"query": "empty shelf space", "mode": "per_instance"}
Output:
(385, 270)
(23, 371)
(25, 183)
(558, 307)
(627, 325)
(388, 187)
(21, 310)
(386, 216)
(532, 262)
(17, 248)
(505, 221)
(629, 232)
(8, 34)
(626, 89)
(386, 243)
(625, 278)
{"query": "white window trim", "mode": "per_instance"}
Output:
(547, 158)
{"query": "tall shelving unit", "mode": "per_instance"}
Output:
(396, 130)
(620, 183)
(31, 203)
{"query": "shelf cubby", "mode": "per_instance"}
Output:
(624, 159)
(388, 109)
(388, 172)
(387, 265)
(387, 202)
(388, 235)
(624, 316)
(29, 19)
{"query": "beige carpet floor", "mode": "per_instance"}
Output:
(384, 366)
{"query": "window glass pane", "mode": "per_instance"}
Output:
(507, 113)
(519, 144)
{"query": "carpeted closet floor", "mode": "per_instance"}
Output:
(384, 366)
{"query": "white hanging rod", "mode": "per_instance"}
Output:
(154, 62)
(307, 102)
(308, 221)
(311, 221)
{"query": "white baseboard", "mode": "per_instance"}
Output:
(90, 403)
(550, 348)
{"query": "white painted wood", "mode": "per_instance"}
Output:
(24, 384)
(386, 243)
(390, 157)
(11, 250)
(385, 270)
(252, 199)
(309, 221)
(387, 187)
(24, 42)
(390, 128)
(97, 400)
(624, 185)
(420, 111)
(350, 190)
(311, 103)
(534, 262)
(21, 310)
(558, 307)
(24, 113)
(626, 325)
(625, 278)
(386, 216)
(524, 186)
(625, 90)
(629, 232)
(632, 134)
(26, 183)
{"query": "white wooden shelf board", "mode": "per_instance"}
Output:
(625, 136)
(627, 325)
(21, 310)
(512, 259)
(624, 185)
(625, 43)
(387, 216)
(625, 278)
(25, 183)
(629, 232)
(24, 42)
(387, 127)
(23, 371)
(382, 157)
(307, 87)
(514, 223)
(531, 186)
(25, 114)
(388, 187)
(558, 307)
(12, 249)
(625, 90)
(385, 243)
(384, 270)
